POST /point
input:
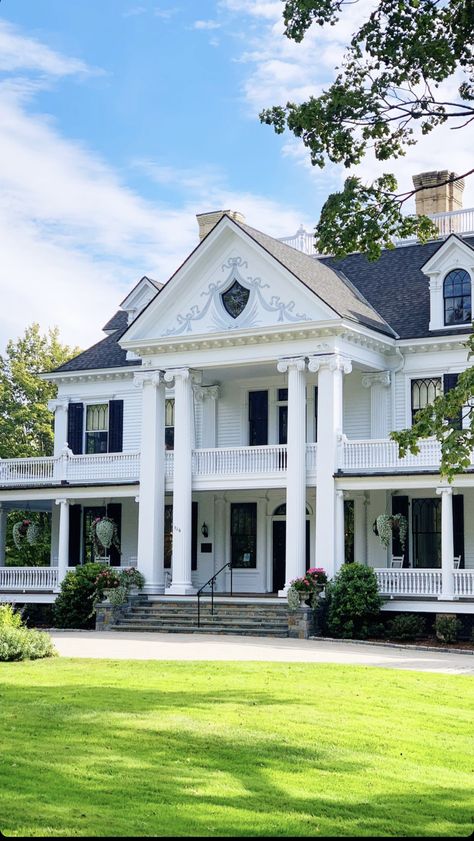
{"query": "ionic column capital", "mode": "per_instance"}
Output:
(297, 363)
(382, 378)
(62, 501)
(444, 491)
(141, 378)
(331, 361)
(58, 405)
(206, 392)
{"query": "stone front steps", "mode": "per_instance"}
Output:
(231, 616)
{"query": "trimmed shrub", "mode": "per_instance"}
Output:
(447, 628)
(75, 604)
(406, 626)
(24, 644)
(353, 603)
(9, 617)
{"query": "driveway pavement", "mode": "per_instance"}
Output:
(156, 646)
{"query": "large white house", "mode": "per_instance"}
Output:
(241, 413)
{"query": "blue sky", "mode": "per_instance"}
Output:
(122, 119)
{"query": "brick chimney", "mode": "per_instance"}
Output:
(207, 221)
(438, 197)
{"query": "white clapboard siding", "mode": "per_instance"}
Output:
(356, 407)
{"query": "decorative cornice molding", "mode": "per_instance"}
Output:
(84, 376)
(332, 361)
(377, 378)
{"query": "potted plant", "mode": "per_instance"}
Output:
(386, 524)
(20, 531)
(309, 586)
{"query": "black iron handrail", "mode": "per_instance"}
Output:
(212, 581)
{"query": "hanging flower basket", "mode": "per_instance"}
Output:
(20, 531)
(33, 533)
(104, 534)
(386, 524)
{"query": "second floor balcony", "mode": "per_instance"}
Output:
(226, 466)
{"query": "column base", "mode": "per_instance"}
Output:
(447, 597)
(153, 589)
(282, 594)
(181, 590)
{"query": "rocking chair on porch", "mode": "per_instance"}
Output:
(397, 561)
(457, 561)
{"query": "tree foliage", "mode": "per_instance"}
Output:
(26, 423)
(436, 420)
(388, 87)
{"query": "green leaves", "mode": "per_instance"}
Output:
(387, 88)
(26, 423)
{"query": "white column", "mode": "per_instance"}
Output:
(361, 501)
(150, 561)
(63, 547)
(379, 384)
(3, 534)
(219, 539)
(447, 543)
(331, 369)
(295, 552)
(340, 531)
(208, 395)
(182, 484)
(262, 555)
(60, 409)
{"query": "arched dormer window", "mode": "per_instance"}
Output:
(457, 297)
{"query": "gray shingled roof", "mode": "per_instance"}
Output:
(396, 287)
(104, 354)
(119, 320)
(326, 281)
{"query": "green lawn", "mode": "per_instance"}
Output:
(97, 747)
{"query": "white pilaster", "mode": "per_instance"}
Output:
(60, 409)
(361, 501)
(181, 583)
(63, 545)
(295, 552)
(379, 384)
(150, 560)
(220, 557)
(208, 395)
(331, 369)
(340, 531)
(447, 543)
(3, 534)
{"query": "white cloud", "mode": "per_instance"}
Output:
(74, 238)
(18, 52)
(206, 24)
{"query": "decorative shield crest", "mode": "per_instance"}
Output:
(235, 299)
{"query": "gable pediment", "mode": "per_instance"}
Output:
(229, 283)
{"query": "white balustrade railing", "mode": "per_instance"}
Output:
(70, 468)
(14, 471)
(454, 221)
(120, 466)
(28, 578)
(311, 454)
(238, 460)
(409, 582)
(464, 583)
(373, 454)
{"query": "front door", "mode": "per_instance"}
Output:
(279, 553)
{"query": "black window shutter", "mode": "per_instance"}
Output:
(400, 506)
(458, 526)
(450, 381)
(115, 426)
(315, 412)
(114, 511)
(258, 418)
(75, 426)
(74, 535)
(194, 535)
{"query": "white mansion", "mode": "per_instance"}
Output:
(241, 413)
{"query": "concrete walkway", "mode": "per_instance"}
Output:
(155, 646)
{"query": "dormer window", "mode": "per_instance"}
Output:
(457, 297)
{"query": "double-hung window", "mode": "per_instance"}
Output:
(97, 428)
(169, 424)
